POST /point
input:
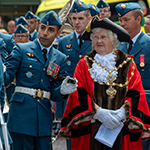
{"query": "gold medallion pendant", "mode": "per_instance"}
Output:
(111, 92)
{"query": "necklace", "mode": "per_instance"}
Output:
(111, 92)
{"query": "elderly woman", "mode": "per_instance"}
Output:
(109, 92)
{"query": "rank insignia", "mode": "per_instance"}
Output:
(68, 46)
(29, 74)
(142, 60)
(53, 69)
(30, 55)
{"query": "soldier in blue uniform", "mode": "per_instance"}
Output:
(130, 16)
(22, 20)
(8, 39)
(73, 46)
(38, 22)
(38, 68)
(21, 34)
(1, 79)
(2, 59)
(104, 9)
(32, 20)
(93, 10)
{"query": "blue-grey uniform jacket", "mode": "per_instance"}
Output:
(9, 41)
(69, 46)
(3, 56)
(141, 49)
(29, 115)
(35, 35)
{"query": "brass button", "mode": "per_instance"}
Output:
(41, 80)
(30, 66)
(38, 100)
(43, 69)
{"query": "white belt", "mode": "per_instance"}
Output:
(33, 92)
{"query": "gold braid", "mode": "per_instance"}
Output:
(110, 71)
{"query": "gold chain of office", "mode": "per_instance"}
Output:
(110, 82)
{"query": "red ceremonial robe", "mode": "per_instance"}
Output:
(77, 119)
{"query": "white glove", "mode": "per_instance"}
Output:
(119, 114)
(104, 116)
(68, 88)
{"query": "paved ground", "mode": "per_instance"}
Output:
(60, 144)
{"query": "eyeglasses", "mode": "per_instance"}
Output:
(105, 11)
(96, 38)
(22, 36)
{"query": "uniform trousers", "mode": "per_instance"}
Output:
(26, 142)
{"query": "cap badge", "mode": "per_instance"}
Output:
(76, 10)
(119, 14)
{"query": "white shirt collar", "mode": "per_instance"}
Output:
(32, 33)
(77, 35)
(42, 47)
(136, 37)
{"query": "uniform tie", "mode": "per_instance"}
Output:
(80, 40)
(130, 46)
(44, 54)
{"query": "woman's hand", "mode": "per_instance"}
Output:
(105, 116)
(96, 106)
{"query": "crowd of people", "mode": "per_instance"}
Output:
(94, 71)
